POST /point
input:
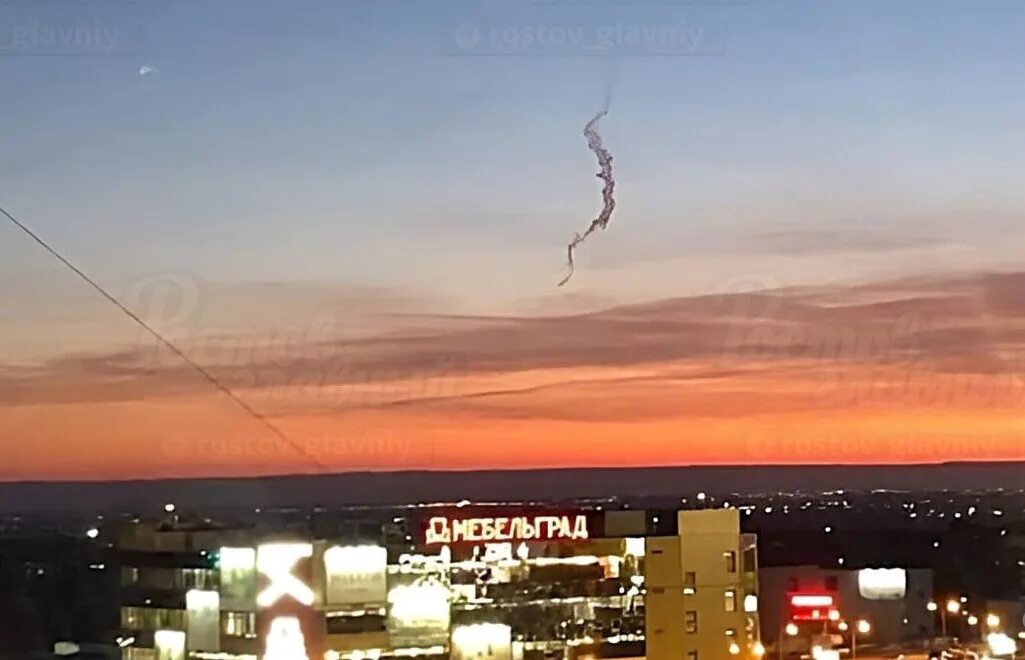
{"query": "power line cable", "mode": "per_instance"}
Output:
(209, 377)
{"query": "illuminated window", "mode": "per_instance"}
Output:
(138, 653)
(731, 632)
(238, 624)
(690, 621)
(690, 579)
(129, 576)
(731, 600)
(152, 618)
(731, 561)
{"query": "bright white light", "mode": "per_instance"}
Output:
(734, 648)
(237, 559)
(953, 606)
(932, 606)
(992, 620)
(523, 551)
(332, 655)
(973, 620)
(1001, 644)
(169, 507)
(170, 644)
(481, 640)
(758, 649)
(810, 600)
(750, 603)
(635, 546)
(882, 583)
(864, 627)
(356, 574)
(196, 599)
(285, 640)
(92, 532)
(701, 497)
(276, 561)
(842, 626)
(834, 615)
(412, 604)
(792, 629)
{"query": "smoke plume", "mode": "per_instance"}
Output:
(608, 199)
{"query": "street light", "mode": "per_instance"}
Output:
(758, 649)
(792, 629)
(973, 620)
(953, 606)
(932, 606)
(992, 620)
(863, 627)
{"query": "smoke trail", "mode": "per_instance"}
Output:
(608, 199)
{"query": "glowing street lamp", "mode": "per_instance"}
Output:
(791, 629)
(932, 606)
(953, 606)
(758, 649)
(973, 620)
(863, 627)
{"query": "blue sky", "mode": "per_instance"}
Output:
(357, 142)
(303, 174)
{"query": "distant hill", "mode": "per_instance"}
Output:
(368, 488)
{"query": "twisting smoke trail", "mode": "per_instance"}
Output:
(608, 199)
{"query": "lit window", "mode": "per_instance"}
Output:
(731, 600)
(690, 621)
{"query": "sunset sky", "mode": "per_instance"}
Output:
(355, 215)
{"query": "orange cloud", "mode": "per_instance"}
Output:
(897, 372)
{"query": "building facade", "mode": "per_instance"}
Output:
(812, 600)
(480, 583)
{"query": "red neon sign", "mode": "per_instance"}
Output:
(812, 607)
(444, 530)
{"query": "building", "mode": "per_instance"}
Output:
(487, 583)
(811, 600)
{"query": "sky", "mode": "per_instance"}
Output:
(354, 214)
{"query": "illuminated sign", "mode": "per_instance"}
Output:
(882, 583)
(276, 561)
(286, 620)
(169, 644)
(419, 613)
(482, 641)
(441, 530)
(356, 574)
(203, 617)
(238, 578)
(808, 600)
(813, 607)
(285, 640)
